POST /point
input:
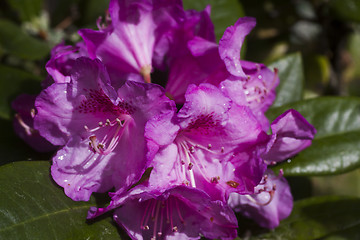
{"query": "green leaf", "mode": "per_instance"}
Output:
(291, 77)
(336, 147)
(224, 13)
(349, 233)
(27, 9)
(32, 207)
(318, 217)
(15, 41)
(91, 10)
(346, 9)
(14, 81)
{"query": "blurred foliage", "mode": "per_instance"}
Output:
(315, 45)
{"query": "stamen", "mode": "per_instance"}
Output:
(167, 212)
(153, 210)
(232, 184)
(271, 194)
(32, 112)
(144, 215)
(190, 166)
(29, 130)
(192, 149)
(178, 211)
(156, 219)
(215, 179)
(161, 219)
(171, 213)
(146, 226)
(113, 141)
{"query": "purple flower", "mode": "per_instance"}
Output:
(135, 34)
(102, 129)
(248, 83)
(177, 213)
(272, 202)
(24, 123)
(213, 146)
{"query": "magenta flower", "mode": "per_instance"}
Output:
(102, 129)
(272, 200)
(177, 213)
(213, 146)
(135, 34)
(252, 84)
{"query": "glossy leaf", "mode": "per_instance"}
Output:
(15, 41)
(336, 147)
(33, 207)
(318, 217)
(27, 9)
(224, 13)
(291, 76)
(346, 9)
(13, 82)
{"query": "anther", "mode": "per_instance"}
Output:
(100, 145)
(192, 149)
(174, 229)
(186, 182)
(190, 166)
(209, 146)
(222, 149)
(32, 112)
(215, 179)
(233, 184)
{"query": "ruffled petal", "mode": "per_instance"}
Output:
(291, 134)
(80, 171)
(178, 213)
(64, 109)
(231, 42)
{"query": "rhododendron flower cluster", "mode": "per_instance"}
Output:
(151, 108)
